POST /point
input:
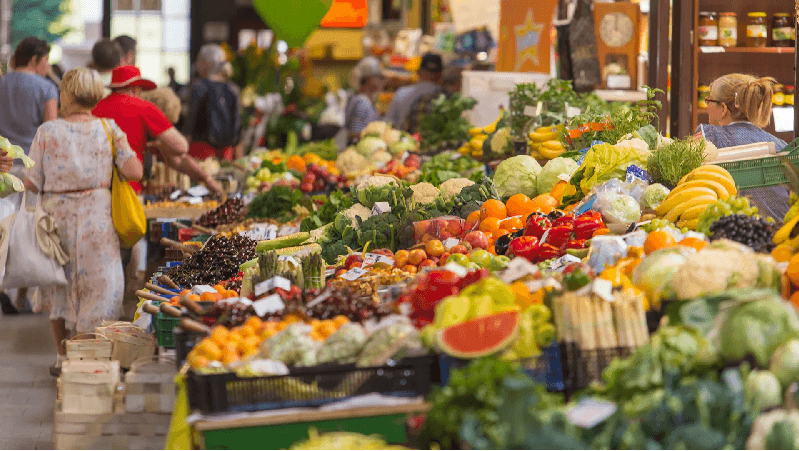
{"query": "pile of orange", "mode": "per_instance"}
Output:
(658, 239)
(496, 219)
(210, 296)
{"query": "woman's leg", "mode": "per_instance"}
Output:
(60, 334)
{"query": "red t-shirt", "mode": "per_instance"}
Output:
(138, 118)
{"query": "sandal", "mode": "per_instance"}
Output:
(7, 306)
(55, 370)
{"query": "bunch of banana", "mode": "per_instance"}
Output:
(544, 142)
(786, 236)
(698, 189)
(479, 134)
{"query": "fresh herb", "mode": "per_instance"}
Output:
(445, 122)
(274, 168)
(670, 163)
(277, 203)
(448, 165)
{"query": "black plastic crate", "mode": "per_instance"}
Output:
(581, 366)
(309, 387)
(184, 343)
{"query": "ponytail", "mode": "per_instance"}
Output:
(753, 100)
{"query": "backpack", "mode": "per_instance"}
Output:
(222, 113)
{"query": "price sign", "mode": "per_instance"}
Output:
(590, 412)
(198, 191)
(380, 208)
(603, 288)
(268, 285)
(354, 274)
(563, 261)
(451, 242)
(370, 259)
(456, 269)
(267, 305)
(535, 285)
(517, 268)
(175, 194)
(318, 299)
(330, 272)
(231, 301)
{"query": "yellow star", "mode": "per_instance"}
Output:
(528, 36)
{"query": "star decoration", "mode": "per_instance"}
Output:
(528, 35)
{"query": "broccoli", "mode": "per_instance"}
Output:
(379, 231)
(472, 197)
(331, 251)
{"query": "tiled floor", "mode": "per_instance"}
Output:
(27, 391)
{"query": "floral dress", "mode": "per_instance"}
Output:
(73, 175)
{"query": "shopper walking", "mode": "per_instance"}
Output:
(73, 163)
(369, 79)
(429, 79)
(213, 124)
(106, 55)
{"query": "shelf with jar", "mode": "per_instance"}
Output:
(721, 30)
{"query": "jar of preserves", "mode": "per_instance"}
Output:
(782, 32)
(728, 30)
(704, 92)
(708, 28)
(778, 99)
(789, 90)
(756, 30)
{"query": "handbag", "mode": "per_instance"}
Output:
(126, 210)
(34, 256)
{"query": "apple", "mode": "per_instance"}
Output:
(410, 268)
(401, 258)
(467, 245)
(443, 259)
(340, 271)
(499, 263)
(454, 227)
(458, 249)
(427, 264)
(444, 234)
(417, 256)
(481, 257)
(434, 248)
(420, 228)
(458, 258)
(477, 239)
(352, 259)
(472, 265)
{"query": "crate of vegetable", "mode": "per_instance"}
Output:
(760, 172)
(309, 386)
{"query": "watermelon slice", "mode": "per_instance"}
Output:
(481, 336)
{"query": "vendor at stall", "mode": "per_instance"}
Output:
(430, 72)
(739, 106)
(360, 110)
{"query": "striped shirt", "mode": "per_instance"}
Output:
(360, 112)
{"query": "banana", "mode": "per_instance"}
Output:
(535, 153)
(552, 145)
(678, 210)
(464, 150)
(693, 212)
(726, 182)
(550, 154)
(720, 190)
(541, 137)
(713, 168)
(475, 132)
(683, 179)
(489, 129)
(784, 232)
(691, 224)
(477, 143)
(672, 201)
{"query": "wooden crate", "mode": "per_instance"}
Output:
(117, 430)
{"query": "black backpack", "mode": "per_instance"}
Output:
(223, 116)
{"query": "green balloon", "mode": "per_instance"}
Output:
(292, 20)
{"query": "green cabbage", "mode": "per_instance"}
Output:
(369, 145)
(603, 162)
(763, 389)
(785, 363)
(551, 173)
(758, 328)
(654, 195)
(517, 175)
(653, 275)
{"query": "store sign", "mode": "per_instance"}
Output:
(346, 14)
(524, 35)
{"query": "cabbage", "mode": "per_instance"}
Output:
(380, 158)
(653, 275)
(404, 144)
(785, 363)
(554, 171)
(369, 145)
(623, 208)
(763, 388)
(758, 328)
(517, 175)
(654, 195)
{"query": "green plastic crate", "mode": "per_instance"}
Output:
(760, 172)
(164, 327)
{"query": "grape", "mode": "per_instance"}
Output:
(723, 208)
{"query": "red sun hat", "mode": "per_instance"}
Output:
(129, 77)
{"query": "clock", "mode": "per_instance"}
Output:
(617, 28)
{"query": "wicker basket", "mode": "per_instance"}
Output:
(88, 386)
(80, 347)
(131, 342)
(150, 387)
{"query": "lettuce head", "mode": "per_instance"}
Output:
(517, 175)
(554, 171)
(603, 162)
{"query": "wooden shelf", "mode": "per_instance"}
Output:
(777, 50)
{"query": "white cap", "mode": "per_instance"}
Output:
(367, 67)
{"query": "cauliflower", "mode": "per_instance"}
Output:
(349, 217)
(370, 144)
(500, 142)
(636, 143)
(351, 162)
(375, 129)
(375, 181)
(424, 193)
(392, 136)
(453, 187)
(380, 158)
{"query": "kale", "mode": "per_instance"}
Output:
(277, 203)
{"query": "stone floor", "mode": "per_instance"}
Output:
(27, 391)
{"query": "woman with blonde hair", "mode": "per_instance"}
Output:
(73, 157)
(739, 107)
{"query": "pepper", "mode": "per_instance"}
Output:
(536, 226)
(587, 223)
(577, 244)
(524, 246)
(546, 252)
(575, 279)
(565, 219)
(559, 235)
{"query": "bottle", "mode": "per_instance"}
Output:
(728, 29)
(756, 30)
(778, 99)
(704, 91)
(708, 29)
(789, 91)
(782, 34)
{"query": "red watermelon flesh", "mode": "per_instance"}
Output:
(480, 337)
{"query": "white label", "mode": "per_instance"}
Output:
(456, 269)
(783, 119)
(370, 259)
(449, 243)
(544, 236)
(330, 272)
(517, 268)
(549, 282)
(231, 301)
(590, 412)
(603, 288)
(269, 304)
(198, 191)
(380, 208)
(318, 299)
(563, 261)
(619, 82)
(271, 284)
(711, 49)
(353, 274)
(564, 177)
(708, 33)
(175, 195)
(200, 289)
(539, 108)
(529, 110)
(572, 111)
(289, 258)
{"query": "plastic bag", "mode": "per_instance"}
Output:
(333, 114)
(384, 339)
(292, 346)
(344, 346)
(440, 228)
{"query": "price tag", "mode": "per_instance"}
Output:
(711, 49)
(783, 119)
(517, 268)
(318, 299)
(590, 412)
(603, 288)
(231, 301)
(198, 191)
(539, 108)
(200, 289)
(563, 261)
(564, 177)
(289, 258)
(176, 194)
(549, 282)
(544, 236)
(269, 304)
(451, 242)
(529, 110)
(354, 274)
(456, 269)
(330, 272)
(268, 285)
(370, 259)
(380, 208)
(572, 111)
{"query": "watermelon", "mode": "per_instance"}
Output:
(480, 337)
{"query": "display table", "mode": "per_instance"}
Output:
(280, 429)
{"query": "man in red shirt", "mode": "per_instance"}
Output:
(141, 120)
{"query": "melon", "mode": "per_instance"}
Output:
(480, 337)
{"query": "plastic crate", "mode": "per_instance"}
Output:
(761, 172)
(184, 343)
(164, 326)
(581, 367)
(309, 387)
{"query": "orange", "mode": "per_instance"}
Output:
(473, 216)
(291, 318)
(184, 292)
(220, 289)
(490, 224)
(515, 223)
(194, 297)
(254, 322)
(210, 297)
(793, 270)
(658, 240)
(695, 243)
(197, 361)
(544, 203)
(493, 208)
(219, 335)
(341, 320)
(175, 300)
(782, 253)
(209, 349)
(519, 204)
(327, 328)
(231, 294)
(795, 300)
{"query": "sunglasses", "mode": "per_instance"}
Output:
(714, 101)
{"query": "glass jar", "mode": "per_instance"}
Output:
(704, 92)
(708, 29)
(789, 90)
(728, 30)
(756, 30)
(778, 99)
(782, 33)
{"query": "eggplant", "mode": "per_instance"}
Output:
(502, 243)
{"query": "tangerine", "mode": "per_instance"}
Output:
(473, 216)
(341, 320)
(658, 239)
(219, 335)
(794, 299)
(254, 322)
(693, 242)
(493, 208)
(515, 223)
(519, 204)
(489, 225)
(792, 271)
(544, 203)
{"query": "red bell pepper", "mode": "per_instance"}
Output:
(577, 244)
(586, 224)
(565, 219)
(546, 252)
(536, 226)
(524, 246)
(559, 235)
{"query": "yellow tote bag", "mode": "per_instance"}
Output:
(126, 210)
